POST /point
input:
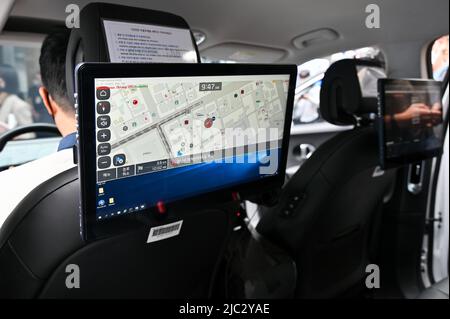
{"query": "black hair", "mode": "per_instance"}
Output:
(53, 67)
(9, 76)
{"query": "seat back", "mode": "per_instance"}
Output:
(40, 242)
(328, 210)
(41, 238)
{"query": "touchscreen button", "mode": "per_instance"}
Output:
(103, 121)
(125, 171)
(106, 175)
(119, 159)
(103, 135)
(103, 93)
(104, 149)
(104, 162)
(103, 107)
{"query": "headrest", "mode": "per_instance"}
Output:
(349, 90)
(88, 42)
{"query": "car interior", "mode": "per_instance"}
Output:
(357, 207)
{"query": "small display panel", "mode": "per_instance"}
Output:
(412, 120)
(169, 138)
(143, 43)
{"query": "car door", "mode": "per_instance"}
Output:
(435, 253)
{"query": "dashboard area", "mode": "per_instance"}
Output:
(19, 152)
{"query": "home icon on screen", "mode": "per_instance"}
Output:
(103, 93)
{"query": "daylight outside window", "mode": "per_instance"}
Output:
(439, 58)
(20, 103)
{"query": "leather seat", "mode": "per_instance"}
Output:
(438, 290)
(41, 237)
(326, 214)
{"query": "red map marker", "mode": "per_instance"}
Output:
(208, 122)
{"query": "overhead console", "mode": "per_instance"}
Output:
(159, 137)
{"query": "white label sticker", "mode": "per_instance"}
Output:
(164, 231)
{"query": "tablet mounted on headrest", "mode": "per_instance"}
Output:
(157, 134)
(410, 120)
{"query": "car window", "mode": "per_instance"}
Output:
(439, 58)
(20, 103)
(310, 74)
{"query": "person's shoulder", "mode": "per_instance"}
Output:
(38, 171)
(54, 161)
(21, 180)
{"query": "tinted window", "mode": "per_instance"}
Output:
(20, 103)
(439, 58)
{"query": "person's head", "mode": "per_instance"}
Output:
(9, 82)
(53, 73)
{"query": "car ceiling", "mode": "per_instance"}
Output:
(266, 28)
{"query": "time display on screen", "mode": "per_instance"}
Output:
(210, 86)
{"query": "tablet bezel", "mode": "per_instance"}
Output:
(86, 73)
(387, 163)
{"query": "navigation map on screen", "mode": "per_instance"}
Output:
(162, 134)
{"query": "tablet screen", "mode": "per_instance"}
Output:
(169, 138)
(412, 119)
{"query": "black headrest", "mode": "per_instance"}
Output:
(88, 44)
(342, 99)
